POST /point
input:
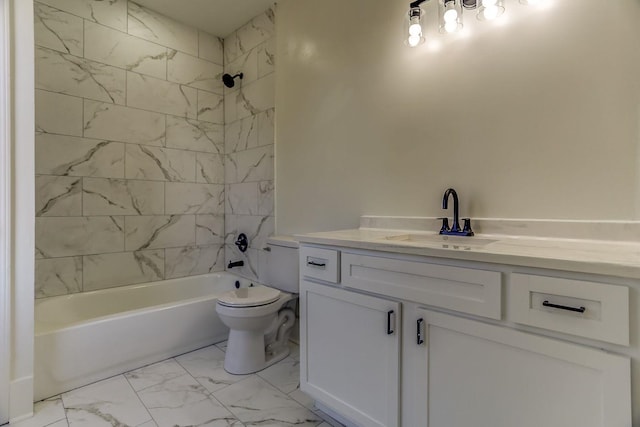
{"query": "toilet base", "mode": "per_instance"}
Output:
(250, 351)
(245, 353)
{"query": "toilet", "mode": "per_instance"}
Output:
(258, 321)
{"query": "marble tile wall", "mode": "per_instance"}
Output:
(249, 141)
(130, 145)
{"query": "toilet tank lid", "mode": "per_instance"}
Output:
(283, 240)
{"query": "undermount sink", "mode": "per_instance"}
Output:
(454, 242)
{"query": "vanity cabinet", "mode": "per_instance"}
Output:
(466, 372)
(350, 353)
(405, 341)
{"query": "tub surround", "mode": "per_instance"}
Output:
(129, 147)
(136, 140)
(580, 246)
(249, 141)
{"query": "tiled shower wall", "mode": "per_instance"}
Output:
(249, 141)
(130, 146)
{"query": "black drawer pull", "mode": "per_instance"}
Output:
(419, 337)
(564, 307)
(316, 264)
(389, 318)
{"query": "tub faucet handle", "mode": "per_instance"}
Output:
(242, 242)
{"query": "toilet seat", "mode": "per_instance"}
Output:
(249, 297)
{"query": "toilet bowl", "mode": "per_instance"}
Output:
(259, 323)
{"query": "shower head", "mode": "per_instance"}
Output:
(228, 79)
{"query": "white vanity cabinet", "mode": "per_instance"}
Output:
(350, 350)
(467, 372)
(456, 356)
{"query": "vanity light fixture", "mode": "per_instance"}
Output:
(414, 24)
(490, 9)
(450, 16)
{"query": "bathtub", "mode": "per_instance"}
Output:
(86, 337)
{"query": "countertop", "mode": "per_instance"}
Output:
(614, 258)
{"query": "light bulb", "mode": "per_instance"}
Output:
(451, 27)
(413, 40)
(450, 15)
(415, 29)
(490, 10)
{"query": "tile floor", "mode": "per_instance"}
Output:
(189, 390)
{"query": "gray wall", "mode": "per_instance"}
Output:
(129, 147)
(535, 117)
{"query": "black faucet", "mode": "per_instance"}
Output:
(455, 228)
(235, 264)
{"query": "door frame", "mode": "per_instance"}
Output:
(5, 211)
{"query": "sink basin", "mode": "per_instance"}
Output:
(453, 242)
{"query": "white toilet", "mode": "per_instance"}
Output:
(259, 326)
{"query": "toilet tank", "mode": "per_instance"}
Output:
(281, 264)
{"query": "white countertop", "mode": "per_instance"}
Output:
(615, 258)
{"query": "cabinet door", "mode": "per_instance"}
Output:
(487, 375)
(349, 348)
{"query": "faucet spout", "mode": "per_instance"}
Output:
(456, 213)
(233, 264)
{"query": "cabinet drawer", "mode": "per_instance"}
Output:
(322, 264)
(455, 288)
(588, 309)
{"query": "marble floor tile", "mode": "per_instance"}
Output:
(45, 413)
(302, 398)
(222, 345)
(154, 375)
(105, 403)
(285, 375)
(256, 402)
(295, 351)
(190, 390)
(182, 401)
(207, 367)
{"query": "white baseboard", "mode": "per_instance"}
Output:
(21, 399)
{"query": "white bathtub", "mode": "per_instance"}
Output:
(86, 337)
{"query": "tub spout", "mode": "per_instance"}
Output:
(235, 264)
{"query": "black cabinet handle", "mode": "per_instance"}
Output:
(316, 264)
(390, 316)
(564, 307)
(419, 337)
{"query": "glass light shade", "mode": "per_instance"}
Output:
(413, 27)
(490, 9)
(450, 14)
